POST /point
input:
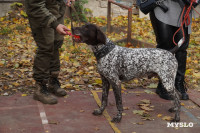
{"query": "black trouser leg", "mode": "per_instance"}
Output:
(164, 38)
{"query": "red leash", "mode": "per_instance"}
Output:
(196, 11)
(186, 20)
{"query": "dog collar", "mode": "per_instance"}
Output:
(109, 46)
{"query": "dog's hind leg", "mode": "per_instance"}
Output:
(118, 98)
(104, 100)
(167, 76)
(177, 105)
(169, 86)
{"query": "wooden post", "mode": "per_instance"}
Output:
(129, 25)
(109, 17)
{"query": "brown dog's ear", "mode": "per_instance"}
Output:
(101, 38)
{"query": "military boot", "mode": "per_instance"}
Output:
(54, 85)
(162, 92)
(42, 93)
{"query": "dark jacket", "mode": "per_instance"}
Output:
(44, 13)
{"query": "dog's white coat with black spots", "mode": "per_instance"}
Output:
(124, 64)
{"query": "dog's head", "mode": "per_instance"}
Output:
(89, 34)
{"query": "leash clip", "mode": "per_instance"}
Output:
(181, 42)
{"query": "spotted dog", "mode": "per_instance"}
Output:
(116, 64)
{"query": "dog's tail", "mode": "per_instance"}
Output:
(173, 51)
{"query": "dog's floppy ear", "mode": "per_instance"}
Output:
(101, 38)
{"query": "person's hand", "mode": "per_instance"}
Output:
(69, 2)
(61, 29)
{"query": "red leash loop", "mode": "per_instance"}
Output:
(185, 21)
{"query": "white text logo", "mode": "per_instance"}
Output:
(180, 124)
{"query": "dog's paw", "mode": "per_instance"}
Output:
(97, 112)
(116, 119)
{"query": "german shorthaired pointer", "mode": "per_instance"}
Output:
(116, 64)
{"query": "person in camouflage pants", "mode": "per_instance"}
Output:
(46, 18)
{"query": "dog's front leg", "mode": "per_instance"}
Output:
(118, 98)
(104, 100)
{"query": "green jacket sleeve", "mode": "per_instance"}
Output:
(39, 13)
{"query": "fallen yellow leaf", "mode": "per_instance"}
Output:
(23, 95)
(159, 115)
(167, 118)
(182, 104)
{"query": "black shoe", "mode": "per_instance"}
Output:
(161, 91)
(181, 87)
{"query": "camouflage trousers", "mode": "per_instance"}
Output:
(47, 54)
